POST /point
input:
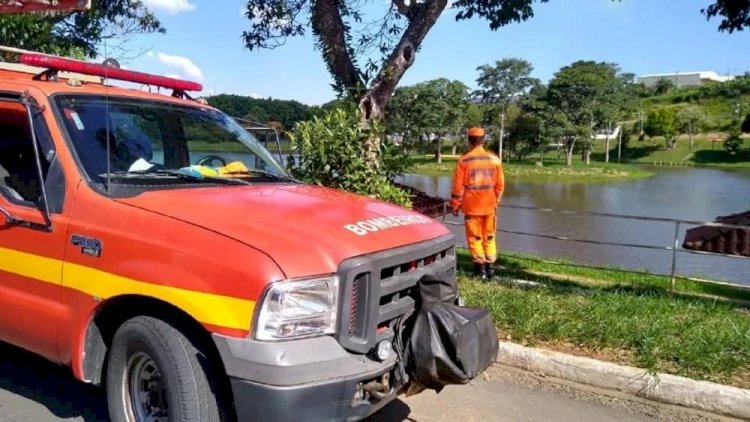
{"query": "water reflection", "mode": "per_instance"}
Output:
(680, 193)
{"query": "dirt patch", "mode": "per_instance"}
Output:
(430, 206)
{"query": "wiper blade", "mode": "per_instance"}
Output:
(191, 177)
(176, 174)
(271, 175)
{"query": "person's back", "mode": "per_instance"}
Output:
(478, 186)
(481, 179)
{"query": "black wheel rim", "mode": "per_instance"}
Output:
(145, 392)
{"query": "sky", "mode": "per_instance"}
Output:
(203, 43)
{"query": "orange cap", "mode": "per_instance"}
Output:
(476, 131)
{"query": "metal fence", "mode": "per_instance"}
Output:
(674, 247)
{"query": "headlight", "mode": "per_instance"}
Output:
(299, 308)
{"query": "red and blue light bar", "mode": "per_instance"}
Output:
(69, 65)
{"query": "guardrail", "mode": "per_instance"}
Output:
(674, 247)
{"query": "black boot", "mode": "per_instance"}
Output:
(489, 270)
(479, 271)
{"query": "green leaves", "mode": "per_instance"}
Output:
(735, 15)
(661, 122)
(733, 143)
(332, 154)
(81, 33)
(263, 110)
(505, 82)
(586, 92)
(498, 12)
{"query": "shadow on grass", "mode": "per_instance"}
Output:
(638, 152)
(720, 157)
(512, 269)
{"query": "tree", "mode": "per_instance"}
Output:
(581, 91)
(733, 143)
(525, 135)
(662, 122)
(503, 84)
(81, 33)
(689, 121)
(735, 15)
(663, 86)
(614, 105)
(435, 108)
(262, 110)
(745, 128)
(345, 40)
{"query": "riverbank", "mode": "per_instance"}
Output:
(630, 319)
(529, 171)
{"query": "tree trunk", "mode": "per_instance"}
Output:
(606, 143)
(439, 153)
(455, 146)
(422, 16)
(569, 147)
(619, 146)
(502, 135)
(588, 156)
(541, 153)
(691, 141)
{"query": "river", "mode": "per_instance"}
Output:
(697, 194)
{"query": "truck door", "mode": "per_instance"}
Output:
(32, 225)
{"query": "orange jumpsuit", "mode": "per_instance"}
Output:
(478, 185)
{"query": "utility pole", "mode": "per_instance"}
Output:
(502, 135)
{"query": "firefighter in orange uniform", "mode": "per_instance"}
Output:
(478, 184)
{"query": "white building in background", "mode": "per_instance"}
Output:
(681, 79)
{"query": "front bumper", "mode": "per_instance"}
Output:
(305, 380)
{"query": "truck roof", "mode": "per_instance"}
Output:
(75, 83)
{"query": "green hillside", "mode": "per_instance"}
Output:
(722, 103)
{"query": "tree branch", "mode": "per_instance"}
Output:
(329, 27)
(402, 7)
(400, 60)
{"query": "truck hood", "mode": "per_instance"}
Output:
(307, 230)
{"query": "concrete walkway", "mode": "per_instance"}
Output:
(506, 394)
(32, 389)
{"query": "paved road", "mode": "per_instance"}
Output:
(32, 389)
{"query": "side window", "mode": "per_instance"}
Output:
(19, 175)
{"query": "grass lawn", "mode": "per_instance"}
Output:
(528, 171)
(705, 152)
(708, 151)
(570, 274)
(627, 318)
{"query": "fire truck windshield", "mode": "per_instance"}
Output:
(130, 136)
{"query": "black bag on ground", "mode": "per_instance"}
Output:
(449, 344)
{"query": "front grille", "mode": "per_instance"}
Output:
(379, 288)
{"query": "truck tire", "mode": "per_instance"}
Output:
(155, 373)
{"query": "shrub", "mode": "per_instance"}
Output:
(733, 143)
(331, 149)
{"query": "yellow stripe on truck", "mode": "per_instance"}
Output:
(207, 308)
(31, 266)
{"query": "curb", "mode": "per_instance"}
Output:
(699, 395)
